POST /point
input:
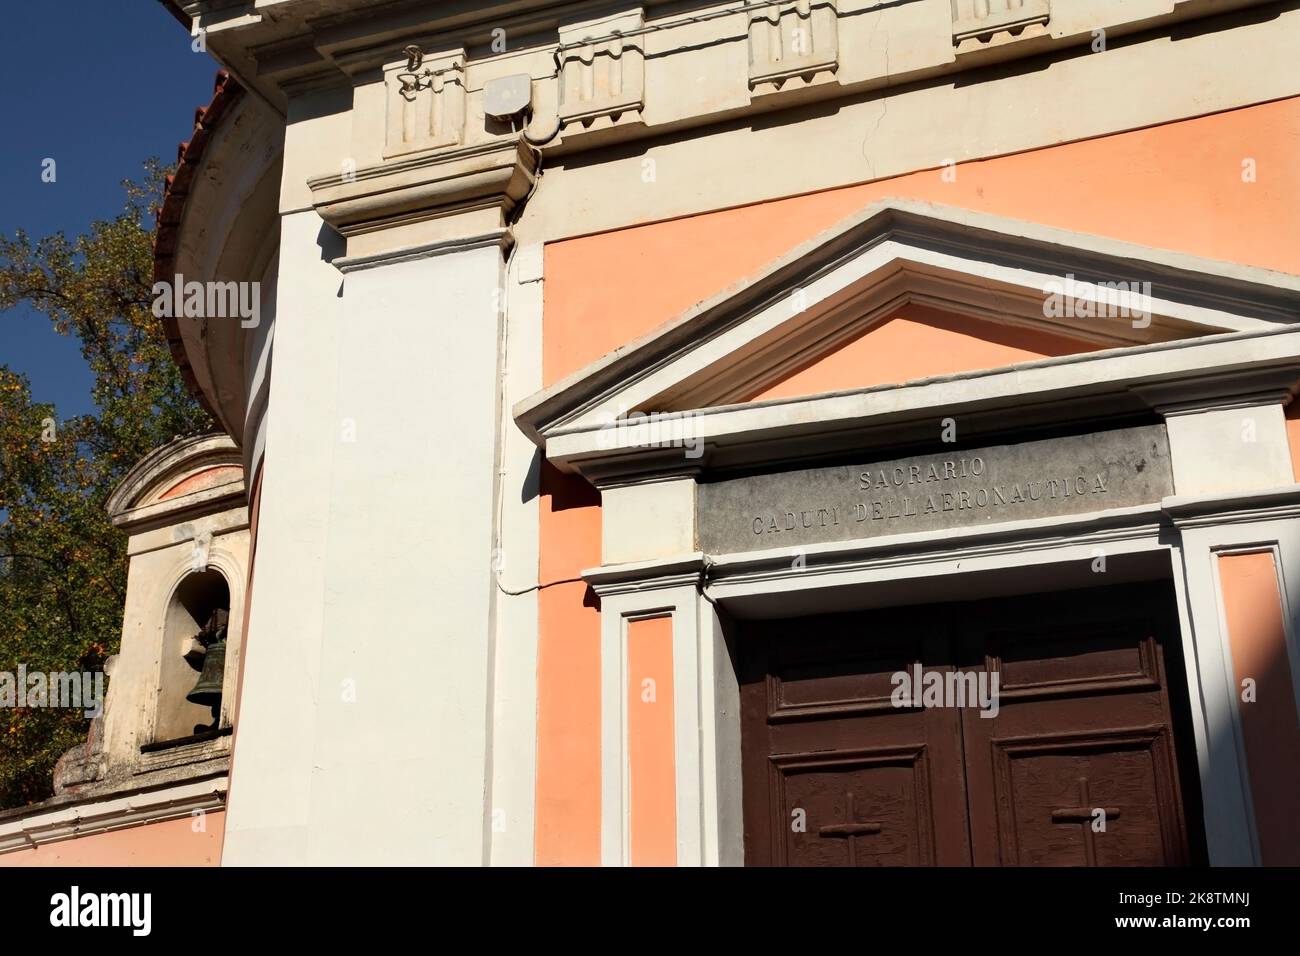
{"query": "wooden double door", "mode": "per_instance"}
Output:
(1084, 762)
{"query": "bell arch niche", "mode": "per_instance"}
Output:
(191, 659)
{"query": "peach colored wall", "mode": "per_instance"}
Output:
(653, 799)
(1257, 637)
(919, 342)
(172, 843)
(568, 676)
(1176, 186)
(208, 478)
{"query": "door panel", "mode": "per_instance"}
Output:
(835, 775)
(861, 808)
(1053, 791)
(1078, 767)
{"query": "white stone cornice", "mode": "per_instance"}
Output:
(1049, 389)
(645, 575)
(1268, 504)
(500, 238)
(1265, 386)
(311, 39)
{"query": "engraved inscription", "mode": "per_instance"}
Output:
(1058, 476)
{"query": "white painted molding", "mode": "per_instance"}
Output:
(722, 573)
(101, 816)
(1207, 530)
(1057, 389)
(498, 237)
(1267, 504)
(680, 601)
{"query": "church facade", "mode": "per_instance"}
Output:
(807, 432)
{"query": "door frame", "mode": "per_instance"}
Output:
(1175, 539)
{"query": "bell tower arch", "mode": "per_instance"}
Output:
(192, 653)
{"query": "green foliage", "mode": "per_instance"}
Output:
(62, 564)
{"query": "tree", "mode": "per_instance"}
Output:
(62, 563)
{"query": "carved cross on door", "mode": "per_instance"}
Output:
(1085, 814)
(849, 831)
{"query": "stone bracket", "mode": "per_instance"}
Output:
(792, 45)
(976, 23)
(602, 71)
(425, 101)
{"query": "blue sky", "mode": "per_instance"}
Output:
(99, 86)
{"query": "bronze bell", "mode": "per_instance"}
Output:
(213, 637)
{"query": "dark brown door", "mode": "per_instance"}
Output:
(1079, 765)
(835, 774)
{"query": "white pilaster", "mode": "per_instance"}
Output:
(674, 594)
(514, 724)
(1210, 527)
(404, 712)
(271, 791)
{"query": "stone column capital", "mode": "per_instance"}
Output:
(415, 201)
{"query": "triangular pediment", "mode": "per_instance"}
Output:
(944, 291)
